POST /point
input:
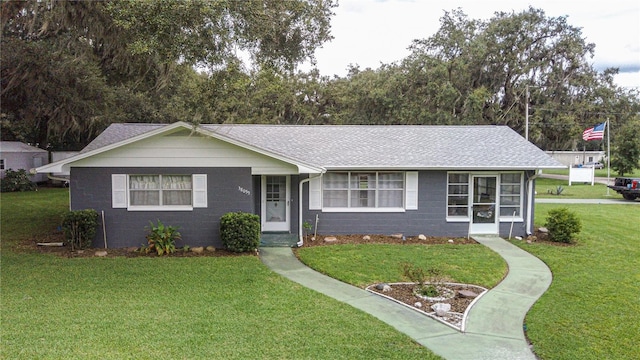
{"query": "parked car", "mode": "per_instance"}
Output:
(592, 164)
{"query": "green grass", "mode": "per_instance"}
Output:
(167, 308)
(592, 309)
(366, 264)
(575, 191)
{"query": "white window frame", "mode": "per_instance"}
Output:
(376, 208)
(505, 218)
(121, 193)
(460, 218)
(518, 218)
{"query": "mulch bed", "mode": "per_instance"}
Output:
(405, 293)
(321, 240)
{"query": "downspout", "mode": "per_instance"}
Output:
(530, 201)
(300, 202)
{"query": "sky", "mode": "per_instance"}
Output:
(371, 32)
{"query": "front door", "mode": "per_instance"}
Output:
(276, 203)
(484, 194)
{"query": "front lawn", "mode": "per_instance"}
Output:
(166, 308)
(366, 264)
(592, 309)
(575, 191)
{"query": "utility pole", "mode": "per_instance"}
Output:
(526, 113)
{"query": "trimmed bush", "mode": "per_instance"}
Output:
(562, 225)
(162, 238)
(240, 231)
(80, 227)
(16, 180)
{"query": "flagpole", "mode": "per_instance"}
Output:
(608, 156)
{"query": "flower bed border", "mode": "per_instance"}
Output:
(432, 315)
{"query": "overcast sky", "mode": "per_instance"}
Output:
(371, 32)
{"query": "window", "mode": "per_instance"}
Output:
(366, 190)
(510, 195)
(159, 192)
(1, 164)
(458, 195)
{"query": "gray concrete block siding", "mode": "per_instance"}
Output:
(91, 189)
(428, 219)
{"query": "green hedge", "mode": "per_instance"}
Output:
(80, 227)
(562, 225)
(240, 231)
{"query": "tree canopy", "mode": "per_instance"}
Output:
(69, 68)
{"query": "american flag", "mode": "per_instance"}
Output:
(594, 133)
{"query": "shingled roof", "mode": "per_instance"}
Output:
(372, 146)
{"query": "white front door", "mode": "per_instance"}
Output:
(276, 205)
(484, 206)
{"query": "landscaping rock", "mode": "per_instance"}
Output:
(418, 304)
(381, 286)
(529, 241)
(101, 253)
(132, 249)
(366, 238)
(198, 250)
(543, 230)
(450, 241)
(422, 237)
(518, 237)
(330, 239)
(441, 309)
(397, 236)
(467, 294)
(210, 248)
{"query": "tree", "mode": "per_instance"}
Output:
(68, 67)
(625, 156)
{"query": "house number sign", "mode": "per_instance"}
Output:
(244, 191)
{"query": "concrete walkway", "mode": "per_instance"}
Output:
(494, 324)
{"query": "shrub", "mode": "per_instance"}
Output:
(162, 238)
(240, 231)
(562, 225)
(427, 281)
(80, 227)
(16, 181)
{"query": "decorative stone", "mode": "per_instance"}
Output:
(518, 237)
(467, 294)
(422, 237)
(450, 241)
(101, 253)
(313, 238)
(418, 304)
(330, 239)
(386, 288)
(366, 238)
(528, 241)
(131, 249)
(543, 230)
(441, 309)
(397, 236)
(210, 248)
(381, 286)
(197, 250)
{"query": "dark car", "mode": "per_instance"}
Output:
(596, 165)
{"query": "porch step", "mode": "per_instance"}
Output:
(278, 240)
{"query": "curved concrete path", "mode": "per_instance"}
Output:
(494, 324)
